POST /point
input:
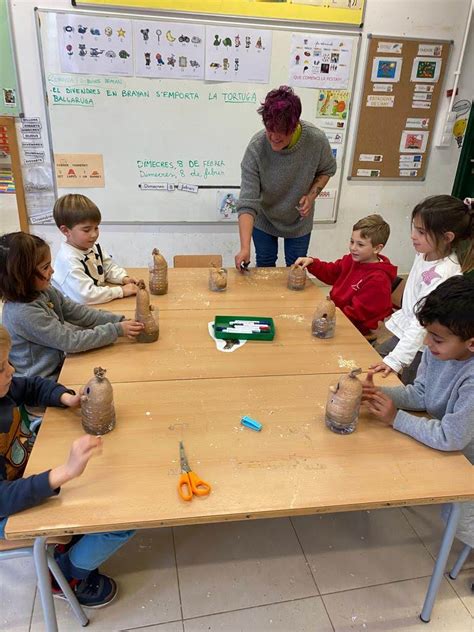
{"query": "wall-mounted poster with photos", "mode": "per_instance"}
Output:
(401, 91)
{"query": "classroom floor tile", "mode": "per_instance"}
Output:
(17, 588)
(462, 586)
(174, 626)
(253, 577)
(363, 548)
(224, 567)
(302, 615)
(145, 571)
(396, 606)
(427, 522)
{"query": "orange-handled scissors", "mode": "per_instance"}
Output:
(189, 481)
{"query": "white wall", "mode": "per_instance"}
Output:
(444, 19)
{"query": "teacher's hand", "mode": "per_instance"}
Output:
(305, 204)
(243, 256)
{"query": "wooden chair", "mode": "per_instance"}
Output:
(41, 550)
(197, 261)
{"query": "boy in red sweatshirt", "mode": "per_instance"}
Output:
(361, 280)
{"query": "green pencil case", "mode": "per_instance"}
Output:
(223, 322)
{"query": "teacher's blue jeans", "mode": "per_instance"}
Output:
(266, 248)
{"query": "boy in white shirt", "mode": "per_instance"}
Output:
(82, 268)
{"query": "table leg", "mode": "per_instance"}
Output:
(441, 560)
(460, 561)
(68, 592)
(44, 584)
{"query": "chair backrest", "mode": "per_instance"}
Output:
(197, 261)
(397, 292)
(9, 545)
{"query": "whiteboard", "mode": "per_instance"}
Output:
(186, 136)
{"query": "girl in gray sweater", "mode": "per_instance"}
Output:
(43, 324)
(444, 384)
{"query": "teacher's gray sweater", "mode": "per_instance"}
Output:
(445, 389)
(273, 182)
(52, 325)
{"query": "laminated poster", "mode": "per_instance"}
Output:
(79, 170)
(390, 47)
(238, 54)
(320, 62)
(432, 50)
(226, 200)
(333, 104)
(95, 45)
(386, 69)
(413, 142)
(168, 49)
(426, 69)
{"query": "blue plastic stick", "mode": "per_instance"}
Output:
(248, 422)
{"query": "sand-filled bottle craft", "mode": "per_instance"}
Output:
(97, 404)
(296, 278)
(143, 314)
(343, 404)
(324, 319)
(217, 279)
(158, 273)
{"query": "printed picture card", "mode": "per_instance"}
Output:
(386, 69)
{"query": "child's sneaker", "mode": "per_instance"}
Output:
(95, 591)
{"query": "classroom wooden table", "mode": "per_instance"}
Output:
(182, 388)
(188, 289)
(185, 350)
(300, 465)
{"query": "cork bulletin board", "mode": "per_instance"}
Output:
(402, 88)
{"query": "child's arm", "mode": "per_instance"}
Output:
(39, 391)
(24, 493)
(412, 339)
(454, 431)
(84, 316)
(40, 326)
(80, 288)
(327, 272)
(405, 351)
(411, 397)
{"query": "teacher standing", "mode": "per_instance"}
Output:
(284, 169)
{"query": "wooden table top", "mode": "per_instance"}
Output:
(295, 465)
(182, 388)
(185, 350)
(188, 289)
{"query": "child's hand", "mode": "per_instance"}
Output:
(382, 407)
(81, 451)
(128, 279)
(304, 262)
(131, 328)
(69, 400)
(381, 367)
(368, 387)
(129, 289)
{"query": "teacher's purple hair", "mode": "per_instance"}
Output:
(281, 110)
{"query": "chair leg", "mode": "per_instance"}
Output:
(68, 592)
(460, 561)
(440, 564)
(44, 584)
